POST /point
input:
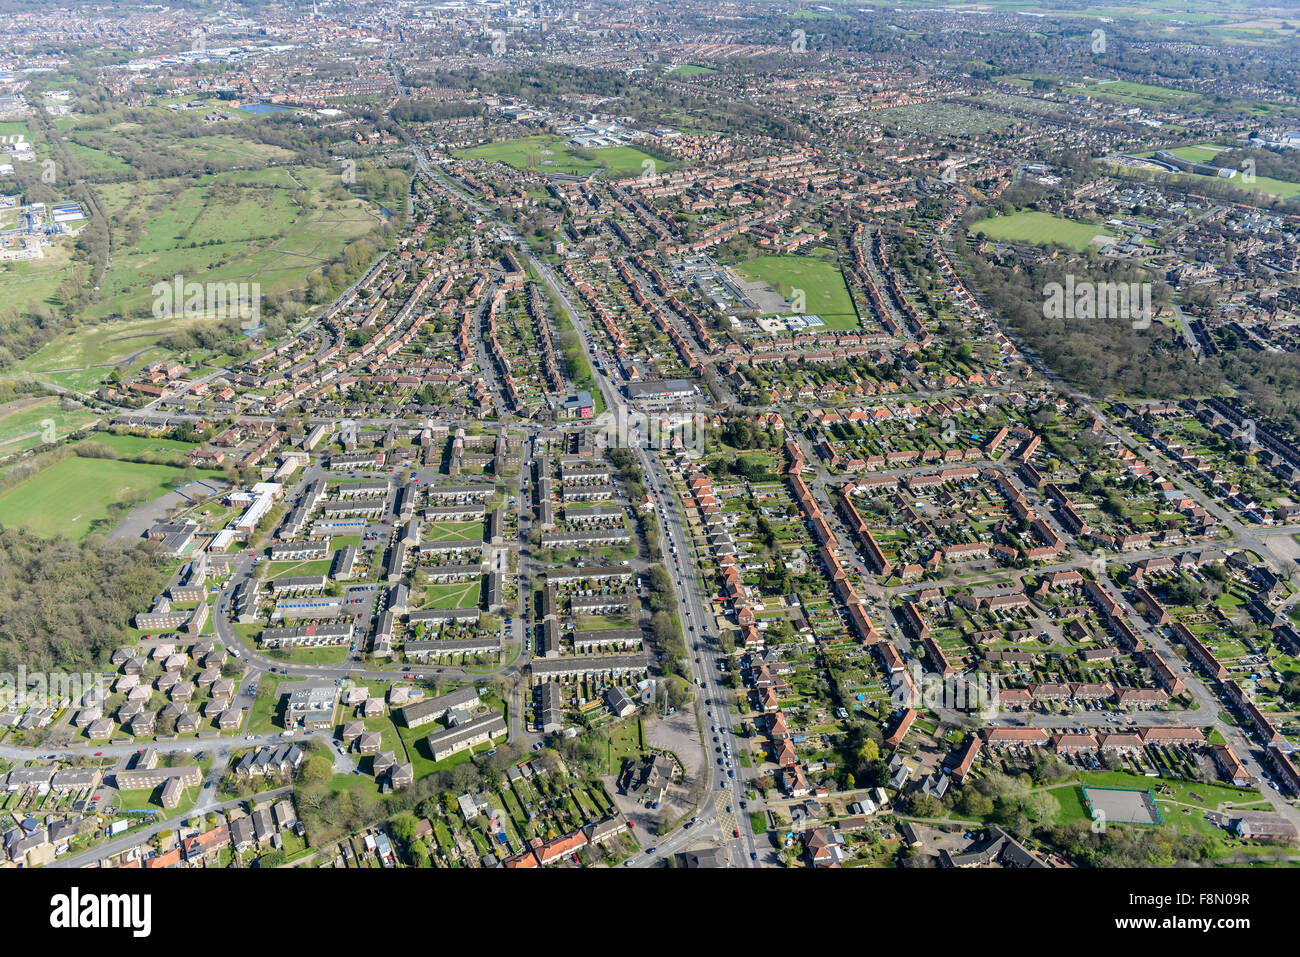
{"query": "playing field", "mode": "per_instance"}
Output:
(687, 70)
(1121, 806)
(1196, 154)
(1264, 185)
(1209, 153)
(1041, 229)
(825, 294)
(68, 498)
(551, 154)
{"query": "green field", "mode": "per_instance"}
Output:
(1264, 185)
(27, 284)
(823, 286)
(1196, 154)
(688, 70)
(550, 154)
(27, 422)
(1141, 94)
(453, 595)
(1041, 229)
(1208, 153)
(81, 358)
(454, 532)
(266, 226)
(71, 498)
(134, 446)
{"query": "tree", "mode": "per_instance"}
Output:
(404, 827)
(316, 771)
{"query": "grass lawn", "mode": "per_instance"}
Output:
(454, 595)
(1072, 806)
(31, 420)
(688, 70)
(1266, 185)
(823, 286)
(422, 759)
(141, 445)
(1208, 796)
(551, 154)
(266, 709)
(1039, 228)
(626, 739)
(1143, 94)
(453, 532)
(71, 498)
(310, 656)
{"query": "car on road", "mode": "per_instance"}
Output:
(650, 850)
(99, 754)
(735, 832)
(753, 855)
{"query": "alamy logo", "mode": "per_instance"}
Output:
(74, 910)
(799, 301)
(976, 692)
(1098, 300)
(623, 429)
(798, 42)
(208, 300)
(48, 689)
(349, 431)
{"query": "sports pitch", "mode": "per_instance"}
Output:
(825, 294)
(1122, 806)
(1041, 229)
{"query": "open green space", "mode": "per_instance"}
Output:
(452, 595)
(548, 153)
(72, 497)
(821, 282)
(1042, 229)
